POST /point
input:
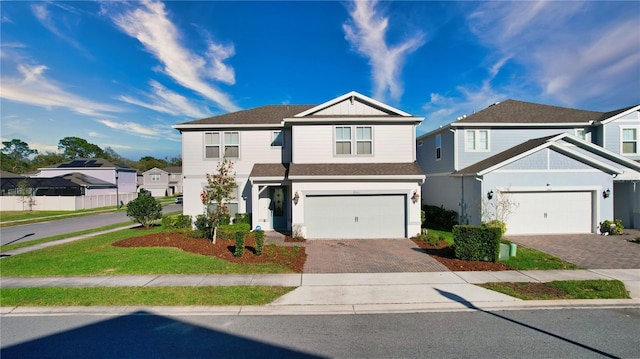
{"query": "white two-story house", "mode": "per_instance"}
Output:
(342, 169)
(563, 170)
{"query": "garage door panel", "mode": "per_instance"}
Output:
(551, 212)
(377, 216)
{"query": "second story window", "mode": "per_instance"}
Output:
(155, 178)
(348, 144)
(581, 133)
(438, 147)
(277, 139)
(218, 144)
(476, 140)
(629, 141)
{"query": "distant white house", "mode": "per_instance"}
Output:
(343, 169)
(162, 182)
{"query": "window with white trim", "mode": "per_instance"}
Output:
(277, 139)
(438, 147)
(476, 140)
(219, 144)
(347, 144)
(629, 143)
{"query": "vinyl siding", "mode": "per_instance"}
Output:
(426, 154)
(391, 144)
(346, 108)
(613, 133)
(501, 140)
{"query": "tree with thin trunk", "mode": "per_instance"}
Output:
(220, 189)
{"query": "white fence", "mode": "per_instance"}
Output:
(62, 203)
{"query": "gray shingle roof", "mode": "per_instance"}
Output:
(271, 114)
(90, 163)
(513, 111)
(502, 156)
(335, 169)
(610, 114)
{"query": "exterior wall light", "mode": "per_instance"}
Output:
(296, 197)
(415, 197)
(606, 193)
(490, 194)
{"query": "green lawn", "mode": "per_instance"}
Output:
(446, 235)
(110, 296)
(531, 259)
(96, 256)
(572, 289)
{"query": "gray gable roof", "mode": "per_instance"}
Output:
(271, 114)
(502, 156)
(280, 170)
(513, 111)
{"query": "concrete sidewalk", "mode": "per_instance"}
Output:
(351, 293)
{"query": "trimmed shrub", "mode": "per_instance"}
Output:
(242, 218)
(496, 224)
(474, 243)
(144, 210)
(430, 239)
(439, 218)
(228, 231)
(204, 226)
(259, 236)
(239, 244)
(176, 222)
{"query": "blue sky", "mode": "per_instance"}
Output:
(119, 74)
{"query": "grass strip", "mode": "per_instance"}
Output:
(531, 259)
(162, 296)
(9, 247)
(568, 289)
(446, 235)
(96, 256)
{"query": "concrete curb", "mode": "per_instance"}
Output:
(322, 309)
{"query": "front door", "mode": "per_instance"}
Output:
(279, 207)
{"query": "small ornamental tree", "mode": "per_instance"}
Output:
(220, 189)
(144, 210)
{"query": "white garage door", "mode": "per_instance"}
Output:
(355, 216)
(551, 212)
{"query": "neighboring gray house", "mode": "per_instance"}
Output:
(565, 170)
(342, 169)
(162, 182)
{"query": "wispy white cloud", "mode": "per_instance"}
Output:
(150, 24)
(130, 127)
(167, 101)
(34, 88)
(573, 53)
(42, 13)
(366, 31)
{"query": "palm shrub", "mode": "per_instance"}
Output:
(259, 236)
(239, 244)
(144, 210)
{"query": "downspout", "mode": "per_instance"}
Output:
(481, 180)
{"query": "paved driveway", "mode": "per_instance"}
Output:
(368, 256)
(588, 250)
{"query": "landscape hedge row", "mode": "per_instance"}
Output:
(475, 243)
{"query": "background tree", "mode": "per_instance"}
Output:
(47, 159)
(148, 162)
(76, 147)
(17, 156)
(144, 210)
(220, 189)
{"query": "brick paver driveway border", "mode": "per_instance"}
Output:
(588, 250)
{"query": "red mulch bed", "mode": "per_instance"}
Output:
(223, 249)
(444, 254)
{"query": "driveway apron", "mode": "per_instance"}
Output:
(368, 256)
(588, 250)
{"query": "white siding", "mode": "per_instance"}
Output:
(391, 144)
(348, 108)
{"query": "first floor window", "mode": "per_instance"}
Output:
(629, 140)
(477, 140)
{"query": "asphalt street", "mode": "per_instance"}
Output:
(571, 333)
(30, 232)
